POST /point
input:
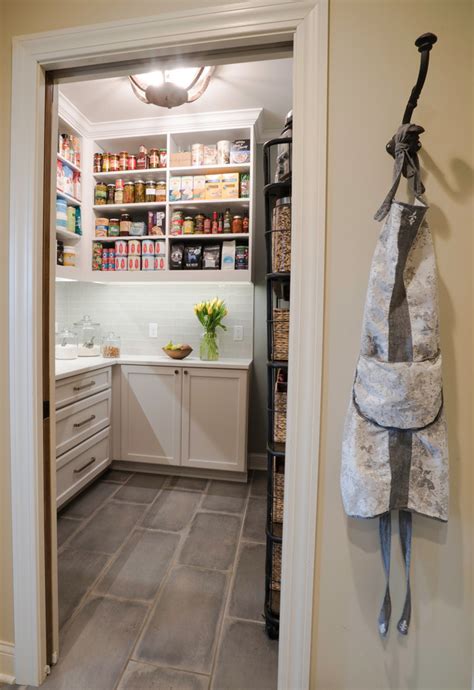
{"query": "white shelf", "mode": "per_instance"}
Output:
(67, 236)
(149, 173)
(129, 237)
(129, 207)
(65, 273)
(172, 276)
(70, 199)
(209, 169)
(68, 162)
(210, 202)
(212, 236)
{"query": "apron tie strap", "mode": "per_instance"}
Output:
(405, 526)
(406, 162)
(385, 532)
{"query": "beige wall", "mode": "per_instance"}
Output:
(372, 63)
(372, 67)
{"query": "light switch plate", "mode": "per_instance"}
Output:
(153, 330)
(238, 332)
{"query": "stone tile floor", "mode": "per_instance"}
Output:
(161, 586)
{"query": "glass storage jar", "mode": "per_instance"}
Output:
(150, 191)
(66, 344)
(88, 334)
(111, 345)
(129, 192)
(139, 192)
(100, 195)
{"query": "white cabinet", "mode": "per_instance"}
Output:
(194, 417)
(214, 425)
(151, 414)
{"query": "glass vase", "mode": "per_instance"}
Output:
(209, 346)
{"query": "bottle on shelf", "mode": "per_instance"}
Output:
(214, 223)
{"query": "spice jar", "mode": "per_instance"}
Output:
(132, 162)
(154, 161)
(199, 223)
(125, 224)
(66, 345)
(111, 193)
(100, 194)
(139, 191)
(281, 235)
(114, 227)
(129, 193)
(114, 162)
(150, 191)
(111, 345)
(237, 224)
(188, 226)
(123, 160)
(97, 162)
(119, 191)
(161, 190)
(105, 162)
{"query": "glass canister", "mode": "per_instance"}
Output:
(100, 195)
(111, 193)
(88, 334)
(123, 160)
(150, 191)
(139, 191)
(154, 158)
(129, 192)
(66, 344)
(125, 225)
(281, 235)
(111, 345)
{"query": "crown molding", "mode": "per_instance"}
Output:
(73, 116)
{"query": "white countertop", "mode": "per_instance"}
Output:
(81, 365)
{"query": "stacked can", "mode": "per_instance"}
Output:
(121, 255)
(148, 255)
(97, 256)
(159, 262)
(108, 259)
(134, 253)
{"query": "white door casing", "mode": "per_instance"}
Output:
(245, 23)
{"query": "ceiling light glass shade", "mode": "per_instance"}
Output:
(171, 88)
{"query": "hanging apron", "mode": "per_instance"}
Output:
(395, 453)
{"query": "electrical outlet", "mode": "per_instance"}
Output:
(153, 330)
(238, 332)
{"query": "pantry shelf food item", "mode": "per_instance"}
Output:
(111, 345)
(66, 345)
(70, 148)
(200, 224)
(179, 351)
(88, 334)
(122, 161)
(240, 152)
(231, 185)
(281, 236)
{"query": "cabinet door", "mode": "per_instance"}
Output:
(214, 428)
(151, 414)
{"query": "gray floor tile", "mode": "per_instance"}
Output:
(226, 496)
(141, 488)
(188, 483)
(94, 496)
(66, 527)
(182, 629)
(77, 570)
(248, 591)
(255, 519)
(96, 645)
(258, 486)
(109, 528)
(144, 677)
(172, 510)
(116, 476)
(212, 541)
(247, 658)
(139, 570)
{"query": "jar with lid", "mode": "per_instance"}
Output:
(114, 162)
(105, 162)
(114, 227)
(69, 256)
(132, 162)
(139, 191)
(154, 155)
(119, 191)
(281, 235)
(88, 334)
(163, 158)
(111, 193)
(161, 190)
(97, 162)
(150, 191)
(199, 223)
(66, 344)
(188, 225)
(123, 160)
(142, 158)
(100, 194)
(129, 192)
(237, 224)
(111, 345)
(125, 225)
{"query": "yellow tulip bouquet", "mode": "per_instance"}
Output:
(210, 315)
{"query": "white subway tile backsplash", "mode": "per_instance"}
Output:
(128, 309)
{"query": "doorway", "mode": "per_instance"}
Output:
(19, 608)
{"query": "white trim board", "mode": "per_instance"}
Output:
(241, 24)
(7, 662)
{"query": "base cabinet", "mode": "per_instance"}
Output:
(192, 417)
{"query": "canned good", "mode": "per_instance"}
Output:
(129, 193)
(121, 248)
(101, 227)
(133, 263)
(132, 162)
(111, 193)
(114, 227)
(134, 248)
(148, 263)
(97, 162)
(123, 160)
(223, 152)
(177, 220)
(159, 263)
(154, 160)
(188, 225)
(97, 250)
(197, 154)
(150, 191)
(148, 247)
(121, 263)
(114, 162)
(100, 194)
(139, 191)
(159, 247)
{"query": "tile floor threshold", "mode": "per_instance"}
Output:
(163, 587)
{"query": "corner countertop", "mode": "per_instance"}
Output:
(81, 365)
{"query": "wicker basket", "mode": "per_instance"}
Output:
(279, 415)
(276, 567)
(278, 495)
(281, 332)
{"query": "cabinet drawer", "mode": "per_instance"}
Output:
(77, 467)
(77, 422)
(78, 387)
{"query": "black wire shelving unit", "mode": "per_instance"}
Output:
(278, 288)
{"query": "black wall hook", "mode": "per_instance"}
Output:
(424, 44)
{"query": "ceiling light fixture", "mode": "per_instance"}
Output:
(173, 87)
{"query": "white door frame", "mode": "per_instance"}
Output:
(246, 23)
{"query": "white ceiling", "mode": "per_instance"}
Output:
(265, 84)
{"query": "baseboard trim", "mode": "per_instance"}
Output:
(257, 461)
(7, 663)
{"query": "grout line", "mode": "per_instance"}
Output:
(171, 668)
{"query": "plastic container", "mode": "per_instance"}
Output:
(66, 345)
(111, 345)
(88, 334)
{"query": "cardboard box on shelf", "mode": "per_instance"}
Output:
(175, 188)
(230, 185)
(180, 159)
(199, 187)
(213, 187)
(187, 187)
(240, 151)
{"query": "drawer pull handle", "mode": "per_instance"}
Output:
(86, 385)
(84, 421)
(88, 464)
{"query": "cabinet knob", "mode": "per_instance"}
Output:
(176, 371)
(185, 372)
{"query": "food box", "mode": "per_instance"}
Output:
(180, 159)
(187, 187)
(199, 187)
(210, 155)
(156, 222)
(213, 186)
(228, 255)
(230, 185)
(240, 151)
(193, 256)
(175, 188)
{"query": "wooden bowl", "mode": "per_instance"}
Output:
(178, 354)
